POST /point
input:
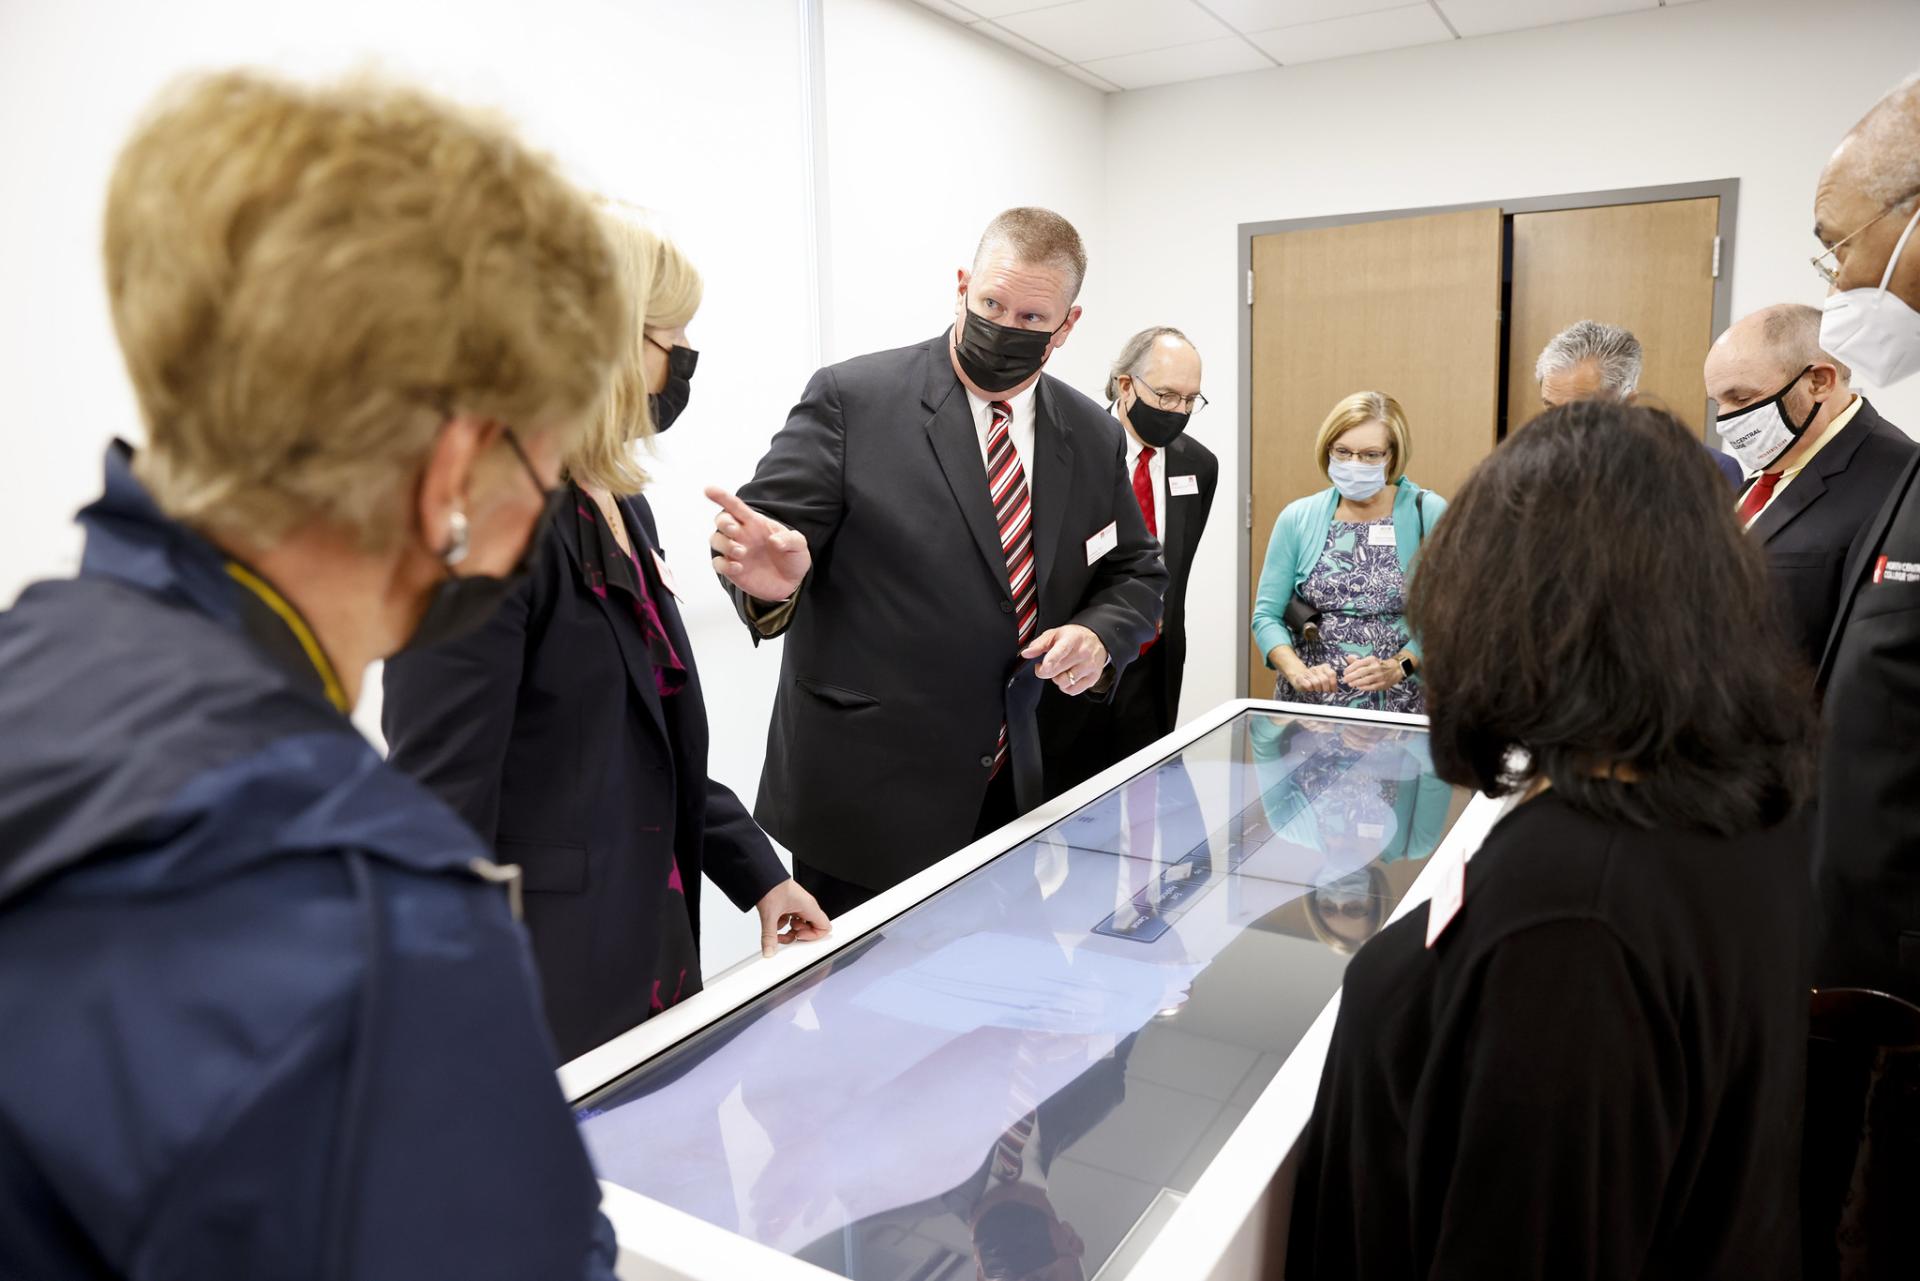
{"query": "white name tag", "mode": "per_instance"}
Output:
(1448, 895)
(1371, 831)
(666, 574)
(1381, 536)
(1180, 486)
(1103, 542)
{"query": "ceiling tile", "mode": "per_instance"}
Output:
(1265, 15)
(1184, 62)
(1087, 78)
(994, 31)
(1363, 33)
(1484, 17)
(1084, 30)
(1001, 8)
(947, 9)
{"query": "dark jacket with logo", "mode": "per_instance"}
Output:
(1809, 530)
(262, 1018)
(1867, 851)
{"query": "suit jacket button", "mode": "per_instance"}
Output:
(1006, 607)
(986, 762)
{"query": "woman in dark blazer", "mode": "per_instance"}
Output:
(1593, 1067)
(570, 730)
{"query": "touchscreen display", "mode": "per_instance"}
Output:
(1021, 1075)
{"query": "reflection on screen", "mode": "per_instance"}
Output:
(1007, 1077)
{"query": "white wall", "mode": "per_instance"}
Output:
(931, 131)
(1758, 90)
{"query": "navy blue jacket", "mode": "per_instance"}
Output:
(262, 1019)
(545, 730)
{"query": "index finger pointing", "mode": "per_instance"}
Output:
(730, 503)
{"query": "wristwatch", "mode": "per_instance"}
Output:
(1406, 668)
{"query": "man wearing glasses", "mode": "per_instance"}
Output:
(1154, 390)
(1867, 847)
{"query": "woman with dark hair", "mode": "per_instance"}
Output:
(1595, 1068)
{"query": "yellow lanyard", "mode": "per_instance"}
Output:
(336, 693)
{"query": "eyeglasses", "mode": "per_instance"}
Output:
(1831, 272)
(548, 496)
(1168, 401)
(1371, 457)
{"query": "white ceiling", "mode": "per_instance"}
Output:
(1132, 44)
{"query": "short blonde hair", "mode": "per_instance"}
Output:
(308, 282)
(664, 292)
(1358, 410)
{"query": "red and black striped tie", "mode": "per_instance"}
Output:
(1013, 512)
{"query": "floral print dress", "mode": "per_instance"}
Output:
(1361, 592)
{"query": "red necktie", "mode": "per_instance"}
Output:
(1143, 494)
(1757, 495)
(1013, 512)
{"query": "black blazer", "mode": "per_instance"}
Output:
(1867, 849)
(1080, 736)
(545, 730)
(1809, 530)
(893, 683)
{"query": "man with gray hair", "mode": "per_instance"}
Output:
(938, 531)
(1590, 359)
(1823, 460)
(1154, 390)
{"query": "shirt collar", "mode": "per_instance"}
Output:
(1834, 428)
(1021, 405)
(130, 539)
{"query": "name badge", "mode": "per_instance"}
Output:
(1381, 536)
(665, 571)
(1103, 542)
(1181, 486)
(1448, 895)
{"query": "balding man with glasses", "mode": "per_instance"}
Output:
(1154, 390)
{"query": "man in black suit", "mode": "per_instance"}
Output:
(1154, 390)
(923, 603)
(1867, 849)
(1822, 459)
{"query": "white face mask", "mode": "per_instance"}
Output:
(1759, 434)
(1874, 330)
(1358, 481)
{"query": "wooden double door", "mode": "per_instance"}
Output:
(1447, 313)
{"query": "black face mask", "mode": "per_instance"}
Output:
(998, 358)
(461, 604)
(1156, 426)
(667, 404)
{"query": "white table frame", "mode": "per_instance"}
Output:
(1223, 1228)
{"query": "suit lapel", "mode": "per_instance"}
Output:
(1051, 482)
(1173, 521)
(956, 444)
(1812, 482)
(626, 632)
(1806, 487)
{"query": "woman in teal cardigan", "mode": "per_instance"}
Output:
(1349, 551)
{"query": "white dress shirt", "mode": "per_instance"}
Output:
(1157, 469)
(1020, 429)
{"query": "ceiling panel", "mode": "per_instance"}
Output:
(1185, 62)
(1400, 28)
(1085, 30)
(994, 31)
(1265, 15)
(1484, 17)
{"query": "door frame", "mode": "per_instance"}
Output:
(1727, 189)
